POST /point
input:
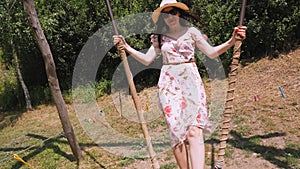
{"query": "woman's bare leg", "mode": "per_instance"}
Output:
(180, 154)
(197, 150)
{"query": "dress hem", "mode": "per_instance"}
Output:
(179, 143)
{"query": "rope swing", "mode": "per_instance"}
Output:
(232, 78)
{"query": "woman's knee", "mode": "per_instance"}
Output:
(194, 132)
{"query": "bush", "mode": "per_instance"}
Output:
(9, 90)
(40, 95)
(273, 25)
(102, 88)
(91, 91)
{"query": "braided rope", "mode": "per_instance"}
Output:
(228, 105)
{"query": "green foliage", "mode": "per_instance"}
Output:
(9, 90)
(84, 94)
(218, 18)
(67, 26)
(273, 27)
(40, 95)
(102, 88)
(91, 91)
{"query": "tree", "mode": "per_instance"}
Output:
(11, 33)
(42, 42)
(24, 87)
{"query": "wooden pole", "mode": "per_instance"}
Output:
(232, 78)
(42, 42)
(135, 98)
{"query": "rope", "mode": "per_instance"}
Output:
(237, 49)
(219, 165)
(229, 107)
(15, 155)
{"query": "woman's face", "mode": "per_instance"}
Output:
(171, 16)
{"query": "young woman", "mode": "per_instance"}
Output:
(181, 91)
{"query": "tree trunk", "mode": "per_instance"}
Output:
(24, 87)
(42, 42)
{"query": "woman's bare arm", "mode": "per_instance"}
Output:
(144, 58)
(213, 52)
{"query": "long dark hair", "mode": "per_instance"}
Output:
(185, 18)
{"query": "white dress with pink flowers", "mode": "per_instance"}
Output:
(181, 91)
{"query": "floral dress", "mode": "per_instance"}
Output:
(181, 91)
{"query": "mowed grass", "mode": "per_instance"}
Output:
(37, 137)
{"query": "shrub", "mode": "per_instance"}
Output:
(91, 91)
(40, 95)
(273, 25)
(9, 90)
(102, 88)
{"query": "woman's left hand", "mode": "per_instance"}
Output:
(239, 31)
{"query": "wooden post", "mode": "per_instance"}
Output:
(137, 103)
(42, 42)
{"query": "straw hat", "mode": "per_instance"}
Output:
(168, 3)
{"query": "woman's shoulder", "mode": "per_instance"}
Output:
(195, 34)
(194, 30)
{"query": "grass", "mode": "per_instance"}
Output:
(229, 152)
(124, 161)
(171, 165)
(291, 160)
(33, 128)
(238, 120)
(255, 140)
(265, 133)
(245, 130)
(40, 128)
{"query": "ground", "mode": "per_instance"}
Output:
(265, 127)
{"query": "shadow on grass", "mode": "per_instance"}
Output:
(94, 159)
(45, 144)
(9, 118)
(269, 153)
(51, 143)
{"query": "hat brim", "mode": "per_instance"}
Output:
(157, 12)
